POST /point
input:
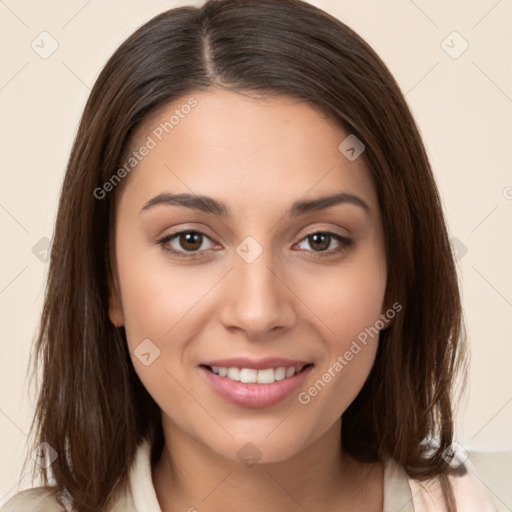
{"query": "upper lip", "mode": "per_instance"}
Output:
(257, 364)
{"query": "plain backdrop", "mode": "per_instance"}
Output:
(451, 60)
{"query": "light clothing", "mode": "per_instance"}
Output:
(477, 491)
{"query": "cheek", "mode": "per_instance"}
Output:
(156, 295)
(160, 303)
(346, 300)
(347, 304)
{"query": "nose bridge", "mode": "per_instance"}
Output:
(258, 300)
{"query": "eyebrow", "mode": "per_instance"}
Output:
(210, 205)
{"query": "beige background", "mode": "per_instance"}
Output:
(463, 107)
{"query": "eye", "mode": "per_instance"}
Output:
(321, 241)
(187, 243)
(183, 242)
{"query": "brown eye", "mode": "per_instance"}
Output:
(185, 244)
(190, 240)
(320, 241)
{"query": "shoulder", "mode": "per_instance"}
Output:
(481, 482)
(137, 494)
(37, 499)
(42, 499)
(493, 471)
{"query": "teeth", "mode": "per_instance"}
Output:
(233, 374)
(266, 376)
(248, 375)
(290, 371)
(280, 373)
(252, 376)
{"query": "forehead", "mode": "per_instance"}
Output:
(244, 149)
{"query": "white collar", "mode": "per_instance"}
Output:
(397, 492)
(141, 482)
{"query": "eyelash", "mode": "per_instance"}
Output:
(345, 244)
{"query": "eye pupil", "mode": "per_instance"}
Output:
(322, 238)
(191, 237)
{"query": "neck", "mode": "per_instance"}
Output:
(190, 476)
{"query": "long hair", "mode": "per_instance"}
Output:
(92, 408)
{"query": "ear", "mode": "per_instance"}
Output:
(389, 312)
(115, 308)
(386, 319)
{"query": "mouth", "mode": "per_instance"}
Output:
(255, 388)
(257, 376)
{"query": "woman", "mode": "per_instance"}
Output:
(229, 159)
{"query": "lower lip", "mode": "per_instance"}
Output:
(255, 395)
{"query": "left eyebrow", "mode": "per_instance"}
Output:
(321, 203)
(210, 205)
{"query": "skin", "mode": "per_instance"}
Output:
(257, 156)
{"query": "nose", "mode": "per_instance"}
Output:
(258, 300)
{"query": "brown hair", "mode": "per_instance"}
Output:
(92, 408)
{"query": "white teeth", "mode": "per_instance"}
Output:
(266, 376)
(290, 371)
(252, 376)
(280, 373)
(248, 375)
(233, 374)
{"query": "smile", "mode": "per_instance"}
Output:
(249, 387)
(252, 376)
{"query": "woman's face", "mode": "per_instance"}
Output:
(248, 279)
